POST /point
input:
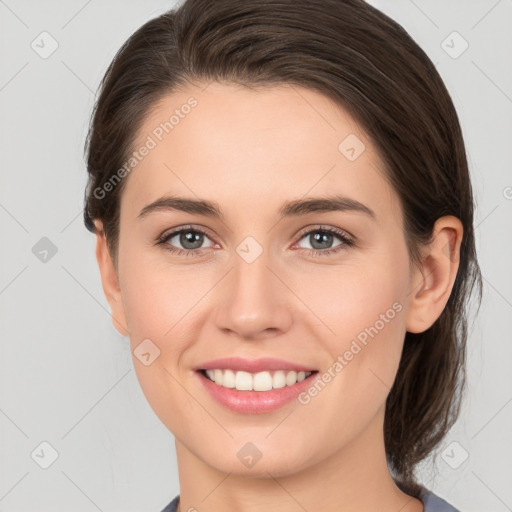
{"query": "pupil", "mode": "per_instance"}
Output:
(191, 237)
(321, 238)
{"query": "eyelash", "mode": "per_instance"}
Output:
(346, 241)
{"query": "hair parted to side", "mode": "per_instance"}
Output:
(369, 65)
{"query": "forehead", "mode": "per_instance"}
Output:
(254, 148)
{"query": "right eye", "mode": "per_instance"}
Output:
(190, 238)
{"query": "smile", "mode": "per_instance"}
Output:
(248, 393)
(261, 381)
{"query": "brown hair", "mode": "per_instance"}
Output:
(369, 65)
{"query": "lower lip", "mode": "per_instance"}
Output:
(255, 402)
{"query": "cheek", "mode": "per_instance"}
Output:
(153, 295)
(163, 303)
(363, 306)
(365, 309)
(349, 298)
(158, 305)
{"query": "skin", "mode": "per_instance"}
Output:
(250, 150)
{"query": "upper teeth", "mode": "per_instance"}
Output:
(262, 381)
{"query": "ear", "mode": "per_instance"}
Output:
(434, 281)
(110, 281)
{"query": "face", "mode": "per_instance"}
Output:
(327, 289)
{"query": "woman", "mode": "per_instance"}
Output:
(284, 223)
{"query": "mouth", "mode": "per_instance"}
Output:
(267, 380)
(246, 393)
(255, 385)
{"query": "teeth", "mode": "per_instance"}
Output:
(262, 381)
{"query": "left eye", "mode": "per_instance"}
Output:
(321, 239)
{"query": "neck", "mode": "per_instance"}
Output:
(354, 478)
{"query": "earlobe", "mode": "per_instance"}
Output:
(110, 281)
(431, 290)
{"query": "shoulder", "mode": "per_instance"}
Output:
(173, 505)
(434, 503)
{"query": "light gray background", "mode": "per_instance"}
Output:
(66, 375)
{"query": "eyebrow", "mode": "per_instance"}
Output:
(293, 208)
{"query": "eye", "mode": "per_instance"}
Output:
(321, 240)
(190, 238)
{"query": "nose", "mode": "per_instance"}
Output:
(253, 300)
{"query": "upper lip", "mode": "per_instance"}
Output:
(252, 365)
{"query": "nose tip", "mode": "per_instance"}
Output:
(252, 301)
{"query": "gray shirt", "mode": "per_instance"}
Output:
(431, 502)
